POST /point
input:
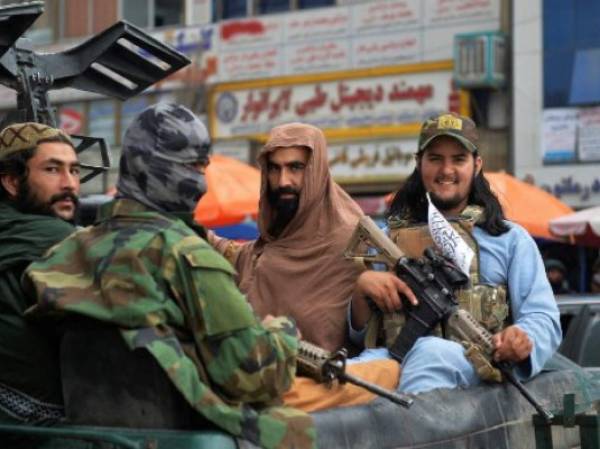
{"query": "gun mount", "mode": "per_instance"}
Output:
(120, 62)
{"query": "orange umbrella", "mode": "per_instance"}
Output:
(233, 190)
(524, 203)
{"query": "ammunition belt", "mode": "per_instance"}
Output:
(26, 408)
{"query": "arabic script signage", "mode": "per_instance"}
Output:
(370, 161)
(365, 34)
(571, 134)
(578, 185)
(388, 100)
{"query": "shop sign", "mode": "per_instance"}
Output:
(367, 34)
(393, 49)
(199, 44)
(576, 185)
(559, 130)
(250, 63)
(321, 56)
(71, 118)
(384, 15)
(256, 32)
(320, 24)
(571, 134)
(372, 161)
(588, 135)
(341, 103)
(449, 12)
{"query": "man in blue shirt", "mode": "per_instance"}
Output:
(527, 331)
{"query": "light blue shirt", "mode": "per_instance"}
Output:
(511, 259)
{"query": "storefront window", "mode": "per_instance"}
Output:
(153, 13)
(571, 117)
(168, 12)
(273, 6)
(231, 8)
(43, 29)
(129, 110)
(102, 120)
(302, 4)
(136, 12)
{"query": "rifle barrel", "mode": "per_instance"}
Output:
(398, 398)
(547, 415)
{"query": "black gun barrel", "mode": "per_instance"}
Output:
(507, 372)
(398, 398)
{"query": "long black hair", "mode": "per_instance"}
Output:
(410, 202)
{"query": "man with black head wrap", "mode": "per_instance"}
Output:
(144, 269)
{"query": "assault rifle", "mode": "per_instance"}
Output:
(433, 280)
(325, 367)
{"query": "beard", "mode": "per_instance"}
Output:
(451, 203)
(445, 204)
(28, 202)
(285, 208)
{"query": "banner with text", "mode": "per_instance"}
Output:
(391, 101)
(366, 34)
(372, 161)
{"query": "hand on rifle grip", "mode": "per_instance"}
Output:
(512, 345)
(385, 289)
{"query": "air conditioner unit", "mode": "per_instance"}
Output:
(480, 59)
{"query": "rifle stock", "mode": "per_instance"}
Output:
(367, 234)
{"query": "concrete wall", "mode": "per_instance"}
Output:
(576, 184)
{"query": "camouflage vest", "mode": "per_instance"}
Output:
(487, 303)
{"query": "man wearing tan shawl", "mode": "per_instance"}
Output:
(296, 266)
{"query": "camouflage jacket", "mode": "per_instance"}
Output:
(162, 285)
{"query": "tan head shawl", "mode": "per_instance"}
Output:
(302, 273)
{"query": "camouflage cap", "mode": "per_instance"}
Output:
(450, 124)
(23, 136)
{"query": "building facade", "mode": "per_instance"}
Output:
(366, 72)
(556, 121)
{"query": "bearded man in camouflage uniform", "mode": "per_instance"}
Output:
(39, 184)
(145, 268)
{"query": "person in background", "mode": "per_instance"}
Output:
(556, 271)
(595, 277)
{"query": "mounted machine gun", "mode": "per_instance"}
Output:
(120, 62)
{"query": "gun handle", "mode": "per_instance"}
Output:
(411, 331)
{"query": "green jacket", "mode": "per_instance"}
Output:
(151, 275)
(28, 358)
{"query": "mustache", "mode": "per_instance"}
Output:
(285, 191)
(64, 196)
